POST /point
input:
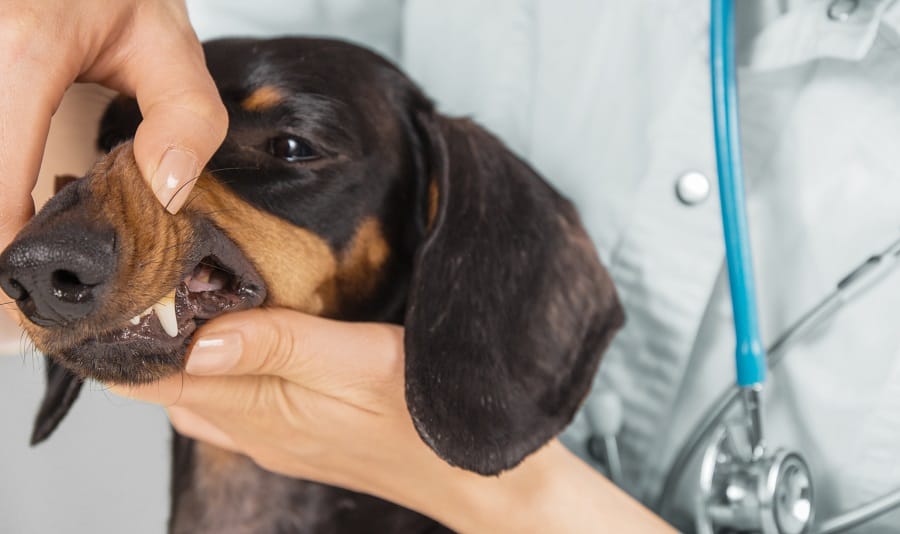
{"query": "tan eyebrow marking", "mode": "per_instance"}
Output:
(263, 98)
(433, 202)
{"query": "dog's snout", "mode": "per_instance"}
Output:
(57, 276)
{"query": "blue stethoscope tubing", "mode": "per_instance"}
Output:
(750, 356)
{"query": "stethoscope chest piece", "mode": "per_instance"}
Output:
(743, 492)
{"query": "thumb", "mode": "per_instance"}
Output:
(318, 353)
(184, 119)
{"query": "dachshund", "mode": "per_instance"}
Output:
(339, 191)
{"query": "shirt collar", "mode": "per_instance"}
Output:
(807, 33)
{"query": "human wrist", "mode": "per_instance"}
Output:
(551, 491)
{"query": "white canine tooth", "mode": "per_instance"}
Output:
(147, 312)
(135, 320)
(165, 312)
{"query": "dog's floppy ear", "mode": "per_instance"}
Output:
(62, 385)
(62, 391)
(119, 123)
(510, 308)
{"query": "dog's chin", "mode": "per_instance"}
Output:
(154, 343)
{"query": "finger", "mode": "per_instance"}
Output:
(189, 424)
(318, 353)
(184, 390)
(30, 95)
(165, 392)
(233, 395)
(184, 120)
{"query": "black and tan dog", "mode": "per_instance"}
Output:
(341, 192)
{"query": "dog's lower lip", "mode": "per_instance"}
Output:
(143, 352)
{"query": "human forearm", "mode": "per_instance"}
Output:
(551, 491)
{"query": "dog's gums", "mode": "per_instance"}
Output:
(208, 291)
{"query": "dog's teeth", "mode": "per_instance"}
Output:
(203, 274)
(165, 312)
(136, 320)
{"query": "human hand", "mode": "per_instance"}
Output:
(296, 393)
(324, 400)
(144, 48)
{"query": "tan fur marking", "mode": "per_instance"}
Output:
(266, 97)
(297, 265)
(433, 202)
(362, 260)
(62, 180)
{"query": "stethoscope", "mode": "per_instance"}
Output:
(745, 485)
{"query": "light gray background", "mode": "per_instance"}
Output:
(105, 470)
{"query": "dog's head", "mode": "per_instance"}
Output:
(339, 191)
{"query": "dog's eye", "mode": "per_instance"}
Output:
(291, 148)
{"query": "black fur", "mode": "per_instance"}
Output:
(509, 309)
(506, 306)
(62, 391)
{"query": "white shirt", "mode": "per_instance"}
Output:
(609, 100)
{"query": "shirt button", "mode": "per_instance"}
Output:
(841, 10)
(692, 188)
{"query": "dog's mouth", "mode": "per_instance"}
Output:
(211, 289)
(153, 343)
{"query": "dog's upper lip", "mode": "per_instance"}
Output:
(248, 284)
(137, 353)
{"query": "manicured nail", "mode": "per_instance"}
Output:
(177, 169)
(215, 354)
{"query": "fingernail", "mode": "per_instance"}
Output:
(176, 170)
(215, 354)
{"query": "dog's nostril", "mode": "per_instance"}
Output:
(68, 287)
(14, 289)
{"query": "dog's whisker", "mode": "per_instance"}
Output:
(216, 212)
(222, 169)
(177, 191)
(28, 347)
(218, 267)
(24, 340)
(194, 179)
(212, 212)
(192, 199)
(226, 182)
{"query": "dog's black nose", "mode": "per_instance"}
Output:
(57, 275)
